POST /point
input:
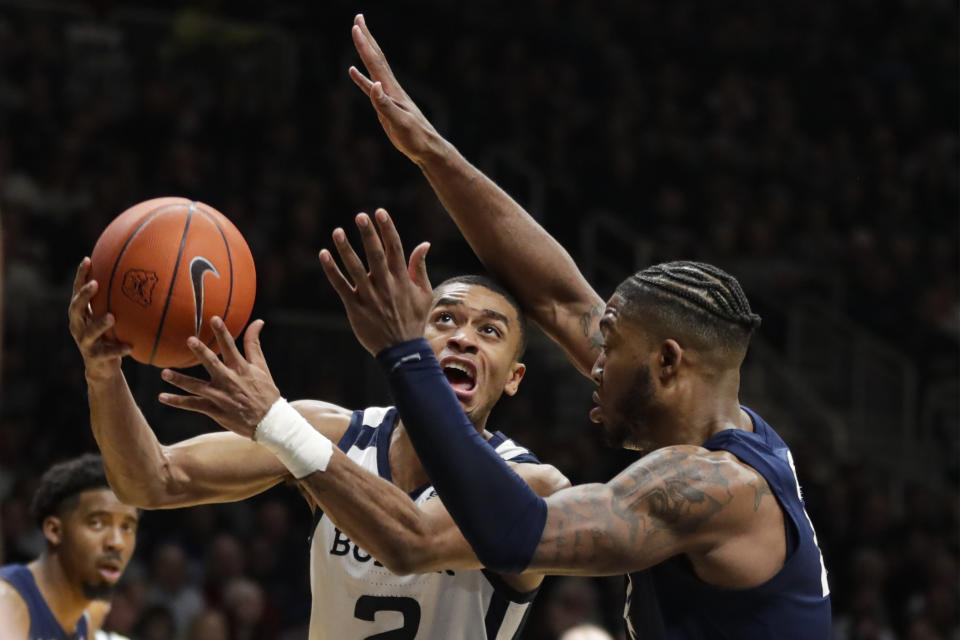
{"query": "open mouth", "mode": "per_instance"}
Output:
(109, 573)
(461, 376)
(596, 413)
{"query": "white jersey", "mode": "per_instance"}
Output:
(357, 598)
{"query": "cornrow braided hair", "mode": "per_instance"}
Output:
(702, 288)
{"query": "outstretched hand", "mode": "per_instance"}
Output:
(240, 390)
(390, 303)
(404, 123)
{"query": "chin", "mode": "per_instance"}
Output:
(98, 591)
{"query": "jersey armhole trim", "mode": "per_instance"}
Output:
(350, 435)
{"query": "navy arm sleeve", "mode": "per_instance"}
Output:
(499, 514)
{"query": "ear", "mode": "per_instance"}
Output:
(516, 375)
(53, 530)
(669, 358)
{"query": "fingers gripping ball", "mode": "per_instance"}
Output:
(164, 267)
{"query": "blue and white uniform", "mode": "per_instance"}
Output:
(43, 625)
(354, 596)
(669, 602)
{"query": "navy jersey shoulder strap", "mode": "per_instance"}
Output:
(363, 426)
(514, 452)
(42, 621)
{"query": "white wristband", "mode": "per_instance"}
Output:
(288, 435)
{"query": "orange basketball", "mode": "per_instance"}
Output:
(164, 267)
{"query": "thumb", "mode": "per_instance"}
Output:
(251, 343)
(418, 266)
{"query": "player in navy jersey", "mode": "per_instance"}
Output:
(710, 523)
(386, 557)
(90, 535)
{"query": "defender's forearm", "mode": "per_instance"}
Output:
(517, 250)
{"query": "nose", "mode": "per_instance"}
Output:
(115, 540)
(462, 341)
(597, 372)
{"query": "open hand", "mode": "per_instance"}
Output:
(390, 303)
(101, 354)
(240, 390)
(404, 123)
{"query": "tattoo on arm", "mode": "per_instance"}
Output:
(587, 323)
(641, 517)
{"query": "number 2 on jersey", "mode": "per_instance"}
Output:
(368, 606)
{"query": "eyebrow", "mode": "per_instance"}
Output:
(487, 313)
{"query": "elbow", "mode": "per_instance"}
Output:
(403, 560)
(407, 554)
(130, 493)
(155, 490)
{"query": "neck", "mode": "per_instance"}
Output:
(405, 467)
(65, 599)
(707, 408)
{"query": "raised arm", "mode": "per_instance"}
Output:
(141, 470)
(510, 243)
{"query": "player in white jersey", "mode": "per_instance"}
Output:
(371, 502)
(446, 603)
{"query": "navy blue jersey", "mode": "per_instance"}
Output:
(43, 626)
(669, 602)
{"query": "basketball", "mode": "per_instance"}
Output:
(164, 268)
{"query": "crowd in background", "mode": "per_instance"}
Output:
(809, 148)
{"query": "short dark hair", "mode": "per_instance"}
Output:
(62, 484)
(489, 283)
(698, 299)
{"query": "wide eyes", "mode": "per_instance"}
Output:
(490, 330)
(441, 318)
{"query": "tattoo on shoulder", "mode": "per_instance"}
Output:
(586, 324)
(760, 489)
(682, 491)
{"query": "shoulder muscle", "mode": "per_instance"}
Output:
(14, 613)
(329, 419)
(544, 479)
(674, 500)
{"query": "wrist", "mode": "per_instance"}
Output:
(437, 153)
(99, 377)
(287, 434)
(400, 353)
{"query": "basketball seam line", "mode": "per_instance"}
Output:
(173, 281)
(123, 249)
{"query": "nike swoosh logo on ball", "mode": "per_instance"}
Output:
(198, 267)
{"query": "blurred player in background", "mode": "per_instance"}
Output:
(710, 524)
(385, 557)
(64, 594)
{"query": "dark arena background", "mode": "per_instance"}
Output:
(810, 148)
